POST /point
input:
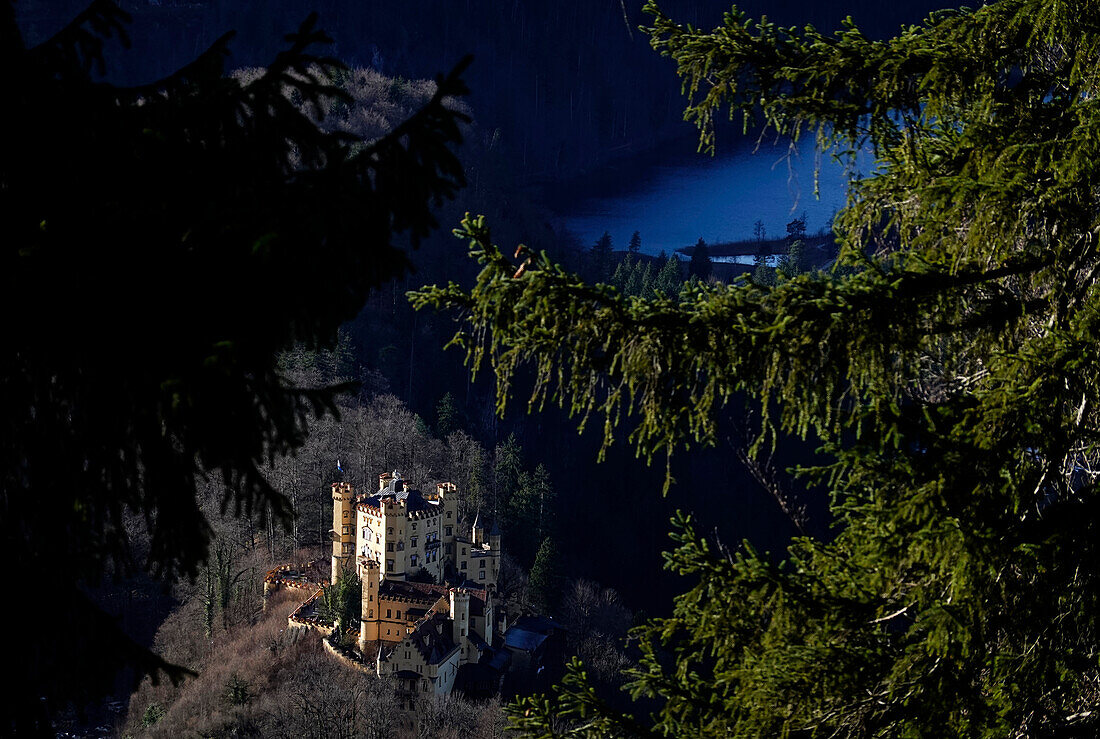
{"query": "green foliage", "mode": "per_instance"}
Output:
(341, 603)
(236, 691)
(545, 581)
(623, 272)
(158, 256)
(669, 280)
(530, 515)
(153, 712)
(948, 365)
(448, 416)
(634, 276)
(794, 262)
(507, 468)
(762, 274)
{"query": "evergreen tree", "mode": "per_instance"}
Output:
(762, 274)
(635, 245)
(601, 258)
(507, 468)
(530, 514)
(448, 416)
(670, 279)
(794, 261)
(623, 273)
(700, 265)
(641, 280)
(545, 582)
(237, 691)
(154, 712)
(341, 602)
(948, 366)
(159, 256)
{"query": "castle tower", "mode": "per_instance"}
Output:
(460, 615)
(490, 615)
(343, 527)
(393, 520)
(368, 617)
(494, 539)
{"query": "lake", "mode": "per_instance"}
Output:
(677, 196)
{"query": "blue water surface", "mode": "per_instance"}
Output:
(675, 200)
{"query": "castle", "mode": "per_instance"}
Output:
(421, 632)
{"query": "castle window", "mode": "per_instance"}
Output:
(482, 564)
(449, 530)
(389, 546)
(389, 614)
(345, 514)
(413, 543)
(463, 551)
(389, 565)
(412, 560)
(389, 530)
(377, 540)
(400, 546)
(370, 613)
(463, 564)
(482, 575)
(414, 525)
(347, 547)
(448, 514)
(399, 615)
(346, 529)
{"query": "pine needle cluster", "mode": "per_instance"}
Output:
(949, 364)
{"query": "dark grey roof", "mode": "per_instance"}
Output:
(434, 639)
(538, 624)
(520, 638)
(414, 499)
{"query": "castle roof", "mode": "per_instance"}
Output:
(414, 499)
(434, 638)
(415, 592)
